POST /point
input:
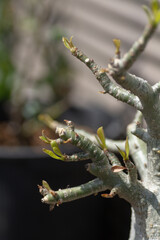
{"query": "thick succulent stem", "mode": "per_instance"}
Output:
(145, 219)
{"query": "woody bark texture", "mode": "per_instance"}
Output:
(142, 145)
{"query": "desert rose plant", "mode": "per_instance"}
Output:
(141, 145)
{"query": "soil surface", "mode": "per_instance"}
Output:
(10, 135)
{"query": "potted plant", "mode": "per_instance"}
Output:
(114, 176)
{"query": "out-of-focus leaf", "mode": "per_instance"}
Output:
(54, 144)
(157, 18)
(117, 43)
(116, 169)
(154, 6)
(43, 139)
(55, 148)
(154, 12)
(148, 12)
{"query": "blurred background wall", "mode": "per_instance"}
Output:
(94, 24)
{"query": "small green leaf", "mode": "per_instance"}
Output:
(157, 18)
(71, 44)
(52, 154)
(55, 148)
(101, 136)
(53, 143)
(127, 148)
(117, 43)
(46, 185)
(148, 12)
(123, 154)
(68, 44)
(57, 151)
(154, 12)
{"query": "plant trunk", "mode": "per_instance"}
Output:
(145, 221)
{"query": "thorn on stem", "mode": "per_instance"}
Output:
(103, 92)
(69, 124)
(108, 195)
(68, 140)
(112, 193)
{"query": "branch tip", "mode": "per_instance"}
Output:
(153, 13)
(69, 44)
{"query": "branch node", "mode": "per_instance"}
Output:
(113, 158)
(112, 193)
(132, 171)
(141, 133)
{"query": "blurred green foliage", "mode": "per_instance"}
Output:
(6, 66)
(31, 21)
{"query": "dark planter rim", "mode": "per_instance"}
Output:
(21, 152)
